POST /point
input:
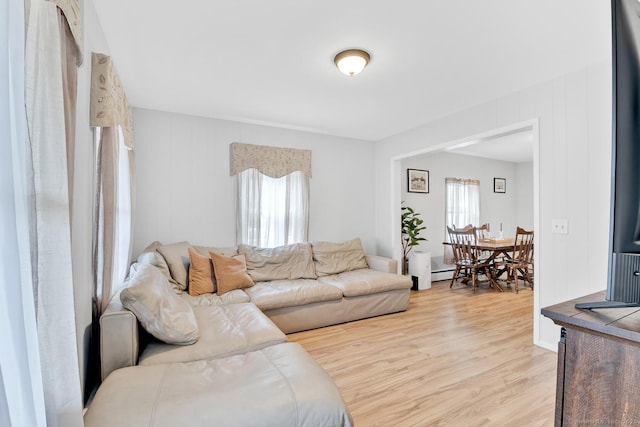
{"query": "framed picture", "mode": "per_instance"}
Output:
(417, 181)
(499, 185)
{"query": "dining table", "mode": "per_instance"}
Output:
(496, 248)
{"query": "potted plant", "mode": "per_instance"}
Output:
(410, 234)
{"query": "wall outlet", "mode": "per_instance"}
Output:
(559, 226)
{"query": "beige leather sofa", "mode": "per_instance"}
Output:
(279, 386)
(242, 328)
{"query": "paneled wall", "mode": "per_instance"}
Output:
(184, 191)
(574, 117)
(525, 206)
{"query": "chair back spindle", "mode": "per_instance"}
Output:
(466, 255)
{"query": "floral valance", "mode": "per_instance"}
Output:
(469, 181)
(275, 162)
(109, 106)
(71, 11)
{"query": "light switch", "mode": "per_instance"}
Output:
(559, 226)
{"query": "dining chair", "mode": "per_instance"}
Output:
(466, 257)
(480, 231)
(466, 227)
(520, 262)
(480, 234)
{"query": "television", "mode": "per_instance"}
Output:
(623, 279)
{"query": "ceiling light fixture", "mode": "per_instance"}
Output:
(352, 61)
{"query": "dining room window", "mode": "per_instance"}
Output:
(462, 202)
(462, 207)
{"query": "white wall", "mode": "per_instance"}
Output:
(525, 195)
(184, 191)
(494, 207)
(82, 214)
(574, 116)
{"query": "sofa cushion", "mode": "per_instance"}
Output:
(333, 258)
(232, 297)
(284, 262)
(160, 311)
(224, 330)
(290, 293)
(279, 386)
(230, 272)
(204, 250)
(366, 281)
(201, 278)
(177, 257)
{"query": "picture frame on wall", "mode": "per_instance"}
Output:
(417, 181)
(499, 185)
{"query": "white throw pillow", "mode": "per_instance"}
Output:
(159, 310)
(177, 257)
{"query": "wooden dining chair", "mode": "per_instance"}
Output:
(480, 231)
(466, 257)
(480, 234)
(520, 263)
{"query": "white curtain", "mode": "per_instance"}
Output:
(462, 206)
(50, 240)
(110, 117)
(462, 202)
(272, 211)
(21, 392)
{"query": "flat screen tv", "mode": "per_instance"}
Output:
(623, 281)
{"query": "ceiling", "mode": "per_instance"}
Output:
(516, 147)
(271, 62)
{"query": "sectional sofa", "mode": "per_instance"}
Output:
(197, 335)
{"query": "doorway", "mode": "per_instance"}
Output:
(509, 144)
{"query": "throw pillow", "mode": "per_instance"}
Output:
(150, 255)
(334, 258)
(177, 257)
(204, 250)
(201, 278)
(230, 272)
(284, 262)
(159, 310)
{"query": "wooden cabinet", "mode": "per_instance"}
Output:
(598, 364)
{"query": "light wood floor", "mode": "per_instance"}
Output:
(452, 359)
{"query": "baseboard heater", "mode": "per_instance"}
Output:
(440, 270)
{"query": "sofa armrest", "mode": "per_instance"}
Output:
(381, 263)
(119, 341)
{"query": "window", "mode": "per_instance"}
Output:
(462, 202)
(462, 207)
(272, 211)
(114, 212)
(124, 209)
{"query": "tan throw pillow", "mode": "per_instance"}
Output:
(230, 272)
(201, 278)
(159, 310)
(293, 261)
(334, 258)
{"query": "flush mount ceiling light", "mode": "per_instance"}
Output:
(352, 61)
